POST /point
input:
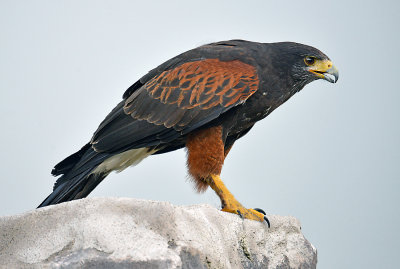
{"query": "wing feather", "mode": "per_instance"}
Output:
(207, 84)
(175, 102)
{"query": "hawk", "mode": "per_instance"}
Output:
(203, 99)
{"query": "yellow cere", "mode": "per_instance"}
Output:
(320, 66)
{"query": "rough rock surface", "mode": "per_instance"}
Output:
(131, 233)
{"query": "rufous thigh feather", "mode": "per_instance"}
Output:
(205, 150)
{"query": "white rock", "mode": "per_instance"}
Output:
(131, 233)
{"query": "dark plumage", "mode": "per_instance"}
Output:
(204, 99)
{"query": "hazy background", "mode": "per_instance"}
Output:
(329, 156)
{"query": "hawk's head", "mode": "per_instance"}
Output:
(306, 63)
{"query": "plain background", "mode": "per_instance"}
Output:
(329, 156)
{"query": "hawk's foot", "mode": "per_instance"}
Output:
(246, 213)
(231, 205)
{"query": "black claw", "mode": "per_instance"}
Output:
(239, 213)
(265, 217)
(260, 210)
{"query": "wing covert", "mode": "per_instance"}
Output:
(193, 93)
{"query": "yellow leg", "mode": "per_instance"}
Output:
(229, 203)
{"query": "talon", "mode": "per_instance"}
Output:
(260, 210)
(267, 220)
(265, 217)
(240, 214)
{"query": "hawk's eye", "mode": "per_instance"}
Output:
(309, 60)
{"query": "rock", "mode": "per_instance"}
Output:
(131, 233)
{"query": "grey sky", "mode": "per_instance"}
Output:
(329, 156)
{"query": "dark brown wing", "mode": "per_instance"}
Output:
(192, 93)
(174, 102)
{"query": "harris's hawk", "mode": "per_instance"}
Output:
(203, 99)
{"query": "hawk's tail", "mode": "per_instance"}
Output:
(84, 170)
(77, 179)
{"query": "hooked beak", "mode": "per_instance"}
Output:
(326, 70)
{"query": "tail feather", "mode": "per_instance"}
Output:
(68, 163)
(85, 169)
(78, 179)
(88, 162)
(75, 188)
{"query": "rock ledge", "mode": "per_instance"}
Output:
(131, 233)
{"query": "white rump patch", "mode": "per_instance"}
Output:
(123, 160)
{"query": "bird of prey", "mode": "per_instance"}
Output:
(203, 99)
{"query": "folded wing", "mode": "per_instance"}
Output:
(176, 102)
